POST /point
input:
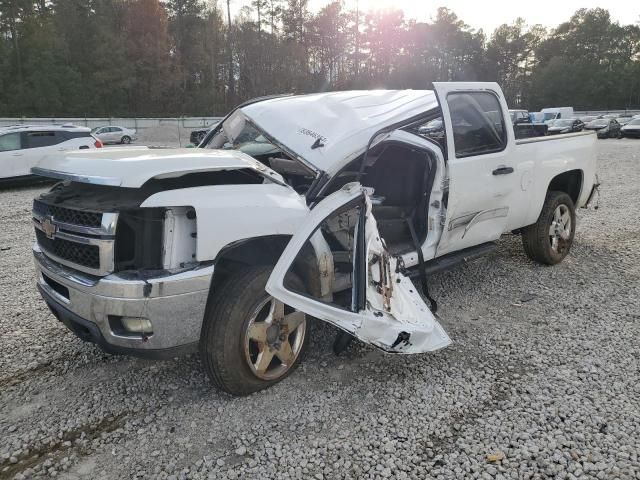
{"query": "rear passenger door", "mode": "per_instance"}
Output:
(482, 173)
(38, 144)
(11, 155)
(115, 135)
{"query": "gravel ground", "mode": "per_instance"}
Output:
(542, 379)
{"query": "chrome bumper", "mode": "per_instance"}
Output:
(174, 303)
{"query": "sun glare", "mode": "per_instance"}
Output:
(373, 4)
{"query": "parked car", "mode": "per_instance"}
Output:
(198, 135)
(623, 120)
(231, 254)
(524, 127)
(568, 125)
(605, 127)
(115, 134)
(23, 146)
(587, 118)
(631, 129)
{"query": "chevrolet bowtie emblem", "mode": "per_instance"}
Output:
(49, 228)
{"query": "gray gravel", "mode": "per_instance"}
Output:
(542, 380)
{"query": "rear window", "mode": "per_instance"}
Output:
(70, 135)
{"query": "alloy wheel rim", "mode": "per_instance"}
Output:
(273, 339)
(560, 229)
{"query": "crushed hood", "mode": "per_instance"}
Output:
(132, 167)
(341, 122)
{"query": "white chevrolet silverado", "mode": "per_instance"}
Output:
(294, 207)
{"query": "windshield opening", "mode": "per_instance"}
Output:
(238, 133)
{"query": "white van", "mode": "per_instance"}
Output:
(555, 113)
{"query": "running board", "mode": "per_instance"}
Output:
(454, 259)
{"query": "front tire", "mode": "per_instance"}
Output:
(549, 240)
(249, 340)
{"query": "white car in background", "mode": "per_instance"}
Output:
(631, 129)
(115, 134)
(23, 146)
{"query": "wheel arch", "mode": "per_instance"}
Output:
(569, 182)
(265, 250)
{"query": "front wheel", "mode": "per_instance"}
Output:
(549, 240)
(250, 340)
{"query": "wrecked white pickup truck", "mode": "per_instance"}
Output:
(320, 205)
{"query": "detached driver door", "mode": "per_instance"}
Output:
(372, 300)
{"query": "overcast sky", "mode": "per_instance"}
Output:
(488, 14)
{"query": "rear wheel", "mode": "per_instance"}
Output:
(549, 240)
(125, 140)
(249, 339)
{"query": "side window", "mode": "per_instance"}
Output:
(41, 139)
(10, 141)
(116, 129)
(478, 123)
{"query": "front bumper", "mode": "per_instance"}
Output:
(90, 306)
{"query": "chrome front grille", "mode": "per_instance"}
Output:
(68, 215)
(83, 240)
(85, 255)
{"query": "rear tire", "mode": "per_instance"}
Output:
(230, 356)
(125, 140)
(549, 240)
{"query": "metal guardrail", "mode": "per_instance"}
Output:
(136, 123)
(606, 112)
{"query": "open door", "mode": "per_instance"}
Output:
(372, 299)
(484, 177)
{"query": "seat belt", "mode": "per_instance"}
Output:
(421, 266)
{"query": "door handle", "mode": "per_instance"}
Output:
(503, 171)
(17, 154)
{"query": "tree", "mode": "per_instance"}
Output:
(174, 57)
(511, 58)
